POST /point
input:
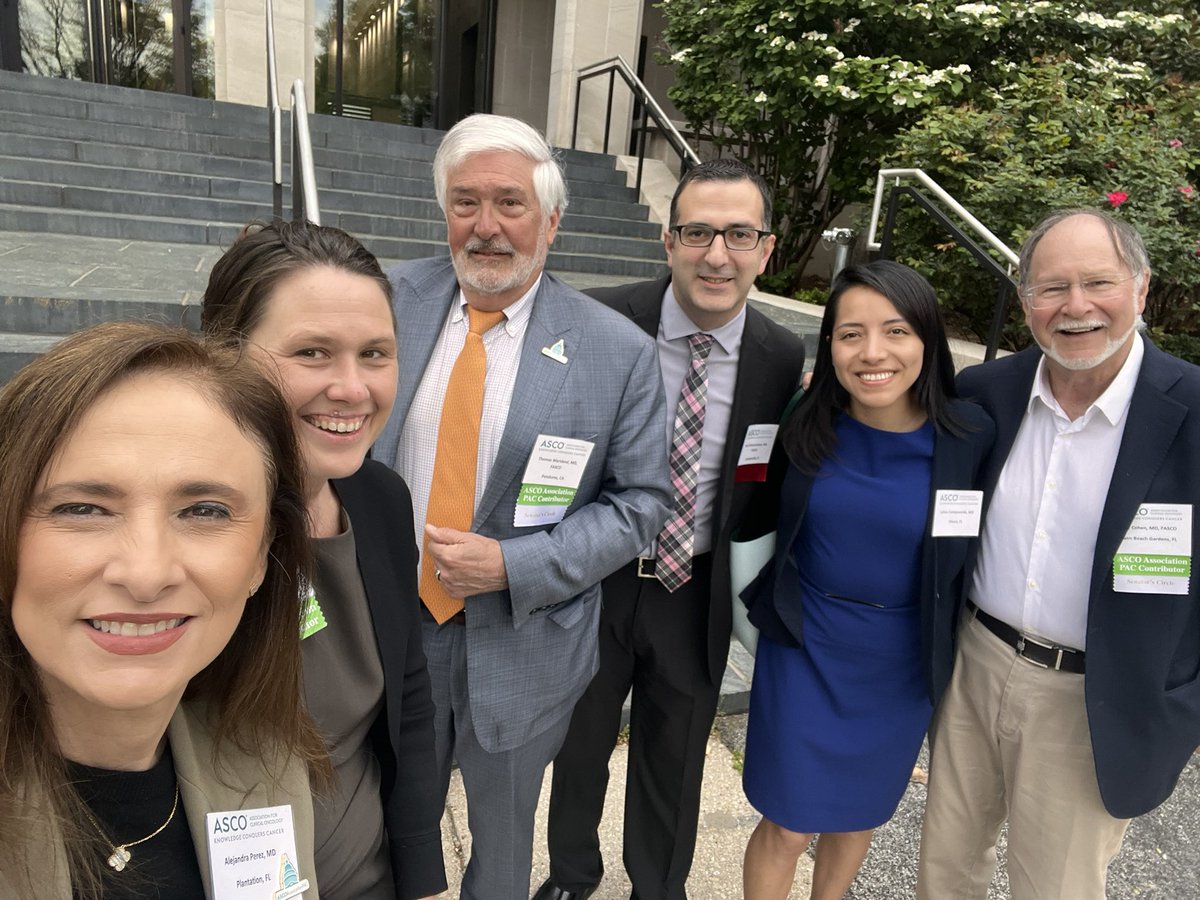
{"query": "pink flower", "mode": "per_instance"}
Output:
(1187, 190)
(1110, 165)
(1116, 198)
(1174, 142)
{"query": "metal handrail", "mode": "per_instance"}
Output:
(957, 208)
(614, 66)
(1005, 286)
(304, 177)
(274, 129)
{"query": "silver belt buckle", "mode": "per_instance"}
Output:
(646, 566)
(1022, 640)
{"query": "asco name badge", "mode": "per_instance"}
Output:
(1156, 555)
(756, 453)
(253, 855)
(551, 478)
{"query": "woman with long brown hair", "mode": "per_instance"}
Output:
(151, 540)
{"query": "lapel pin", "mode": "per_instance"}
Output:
(555, 352)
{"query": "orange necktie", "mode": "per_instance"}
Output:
(452, 493)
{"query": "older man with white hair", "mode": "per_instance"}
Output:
(530, 426)
(1075, 699)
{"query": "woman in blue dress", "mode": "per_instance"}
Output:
(860, 589)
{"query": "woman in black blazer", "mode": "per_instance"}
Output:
(865, 581)
(313, 305)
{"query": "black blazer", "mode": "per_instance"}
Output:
(770, 363)
(379, 507)
(1143, 650)
(773, 597)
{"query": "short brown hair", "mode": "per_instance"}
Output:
(253, 686)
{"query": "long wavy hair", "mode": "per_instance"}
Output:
(252, 689)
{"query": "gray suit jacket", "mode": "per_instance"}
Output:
(531, 649)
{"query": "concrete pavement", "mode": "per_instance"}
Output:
(1160, 859)
(726, 820)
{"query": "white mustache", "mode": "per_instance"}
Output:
(495, 245)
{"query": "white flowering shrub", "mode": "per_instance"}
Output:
(815, 93)
(1090, 133)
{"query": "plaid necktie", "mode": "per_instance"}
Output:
(452, 491)
(675, 541)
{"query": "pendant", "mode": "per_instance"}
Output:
(120, 856)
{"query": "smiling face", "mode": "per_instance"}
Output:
(144, 537)
(498, 235)
(1084, 333)
(711, 283)
(330, 334)
(877, 358)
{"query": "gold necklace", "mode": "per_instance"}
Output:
(120, 855)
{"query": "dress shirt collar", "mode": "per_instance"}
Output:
(515, 314)
(1112, 404)
(675, 324)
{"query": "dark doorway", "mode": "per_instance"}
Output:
(426, 63)
(468, 38)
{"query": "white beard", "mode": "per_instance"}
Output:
(1081, 364)
(486, 280)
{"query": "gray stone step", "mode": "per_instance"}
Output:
(184, 152)
(55, 284)
(394, 218)
(92, 161)
(575, 253)
(133, 99)
(135, 135)
(18, 350)
(368, 193)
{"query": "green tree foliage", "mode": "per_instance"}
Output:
(1058, 135)
(815, 93)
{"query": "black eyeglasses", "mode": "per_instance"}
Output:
(736, 238)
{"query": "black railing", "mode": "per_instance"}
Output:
(649, 109)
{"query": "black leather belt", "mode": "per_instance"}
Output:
(1048, 656)
(644, 566)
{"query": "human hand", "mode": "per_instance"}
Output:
(469, 563)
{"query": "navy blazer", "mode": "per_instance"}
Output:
(770, 363)
(774, 596)
(379, 507)
(1143, 650)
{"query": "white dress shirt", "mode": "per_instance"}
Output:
(675, 360)
(1039, 539)
(418, 441)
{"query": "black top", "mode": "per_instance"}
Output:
(128, 806)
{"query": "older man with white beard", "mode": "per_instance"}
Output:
(530, 426)
(1075, 699)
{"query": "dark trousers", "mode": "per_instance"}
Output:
(656, 643)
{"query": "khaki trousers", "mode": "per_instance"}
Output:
(1010, 741)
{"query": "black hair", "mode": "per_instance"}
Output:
(808, 436)
(723, 170)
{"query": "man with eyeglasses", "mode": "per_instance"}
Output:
(1075, 699)
(728, 372)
